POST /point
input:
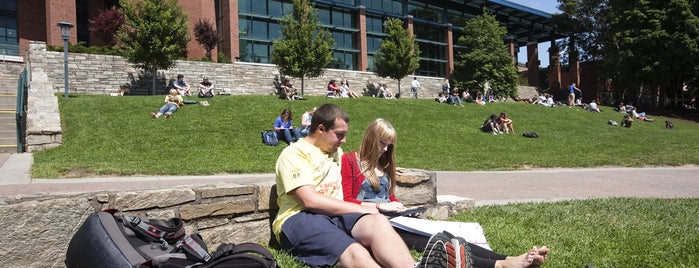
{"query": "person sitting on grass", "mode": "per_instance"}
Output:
(491, 125)
(173, 101)
(285, 127)
(627, 121)
(318, 228)
(505, 123)
(206, 88)
(593, 107)
(182, 86)
(369, 179)
(287, 90)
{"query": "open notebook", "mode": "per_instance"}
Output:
(471, 231)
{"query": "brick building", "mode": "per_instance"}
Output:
(248, 28)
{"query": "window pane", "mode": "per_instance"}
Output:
(259, 29)
(259, 7)
(244, 27)
(245, 5)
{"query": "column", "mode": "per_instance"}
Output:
(554, 74)
(198, 10)
(533, 64)
(362, 59)
(229, 29)
(59, 10)
(512, 49)
(450, 49)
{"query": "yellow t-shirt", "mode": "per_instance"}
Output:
(302, 164)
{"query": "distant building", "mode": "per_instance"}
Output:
(248, 27)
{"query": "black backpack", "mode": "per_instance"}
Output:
(108, 239)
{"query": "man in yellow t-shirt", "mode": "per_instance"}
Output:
(314, 224)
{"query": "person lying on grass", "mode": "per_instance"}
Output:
(173, 101)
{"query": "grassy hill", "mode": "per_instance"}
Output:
(115, 136)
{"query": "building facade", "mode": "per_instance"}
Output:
(248, 28)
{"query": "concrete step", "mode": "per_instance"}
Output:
(6, 149)
(8, 119)
(8, 102)
(8, 85)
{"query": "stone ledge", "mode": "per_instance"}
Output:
(228, 212)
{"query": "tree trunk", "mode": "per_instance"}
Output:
(154, 72)
(398, 89)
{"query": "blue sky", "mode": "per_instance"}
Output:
(548, 6)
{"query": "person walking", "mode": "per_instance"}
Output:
(414, 86)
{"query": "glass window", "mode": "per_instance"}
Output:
(374, 25)
(259, 29)
(9, 5)
(427, 32)
(251, 51)
(343, 60)
(373, 43)
(275, 30)
(432, 51)
(343, 40)
(389, 6)
(324, 15)
(276, 8)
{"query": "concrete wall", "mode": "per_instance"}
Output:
(38, 228)
(103, 74)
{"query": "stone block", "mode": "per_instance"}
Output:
(257, 232)
(226, 189)
(231, 206)
(37, 232)
(127, 201)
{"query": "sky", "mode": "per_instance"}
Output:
(548, 6)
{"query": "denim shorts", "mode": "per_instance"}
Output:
(318, 240)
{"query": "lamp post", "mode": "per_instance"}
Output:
(65, 34)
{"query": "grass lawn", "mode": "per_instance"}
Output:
(115, 136)
(603, 232)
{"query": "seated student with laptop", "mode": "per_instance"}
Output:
(369, 179)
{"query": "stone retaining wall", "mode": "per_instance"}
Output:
(103, 74)
(38, 228)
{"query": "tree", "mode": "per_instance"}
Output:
(304, 48)
(105, 25)
(154, 34)
(206, 35)
(639, 45)
(485, 59)
(399, 54)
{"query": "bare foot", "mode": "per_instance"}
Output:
(533, 258)
(541, 255)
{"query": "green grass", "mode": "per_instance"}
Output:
(108, 136)
(115, 136)
(603, 232)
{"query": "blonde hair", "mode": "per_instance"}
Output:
(372, 158)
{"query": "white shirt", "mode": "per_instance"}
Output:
(415, 84)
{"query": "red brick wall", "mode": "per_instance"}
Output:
(31, 16)
(196, 10)
(59, 10)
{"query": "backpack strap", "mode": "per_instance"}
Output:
(242, 253)
(157, 231)
(194, 247)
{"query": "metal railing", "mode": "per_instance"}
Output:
(21, 112)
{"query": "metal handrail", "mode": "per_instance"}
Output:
(21, 112)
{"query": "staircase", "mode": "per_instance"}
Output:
(8, 118)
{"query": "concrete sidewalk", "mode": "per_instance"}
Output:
(484, 187)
